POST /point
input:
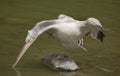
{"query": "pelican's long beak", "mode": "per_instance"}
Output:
(22, 52)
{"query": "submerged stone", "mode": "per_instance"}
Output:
(60, 62)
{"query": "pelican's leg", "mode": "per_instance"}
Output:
(80, 44)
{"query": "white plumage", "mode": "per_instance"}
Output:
(68, 30)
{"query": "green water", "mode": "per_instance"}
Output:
(17, 16)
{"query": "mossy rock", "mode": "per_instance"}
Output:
(60, 62)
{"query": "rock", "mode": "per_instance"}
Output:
(60, 62)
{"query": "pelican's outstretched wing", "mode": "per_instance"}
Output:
(66, 18)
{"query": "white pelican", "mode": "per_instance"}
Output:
(68, 30)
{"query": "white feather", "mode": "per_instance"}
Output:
(68, 30)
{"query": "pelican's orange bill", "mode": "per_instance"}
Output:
(22, 52)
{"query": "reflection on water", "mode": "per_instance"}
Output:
(18, 73)
(103, 69)
(75, 73)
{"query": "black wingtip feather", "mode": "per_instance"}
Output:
(100, 35)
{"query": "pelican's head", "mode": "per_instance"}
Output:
(96, 31)
(31, 36)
